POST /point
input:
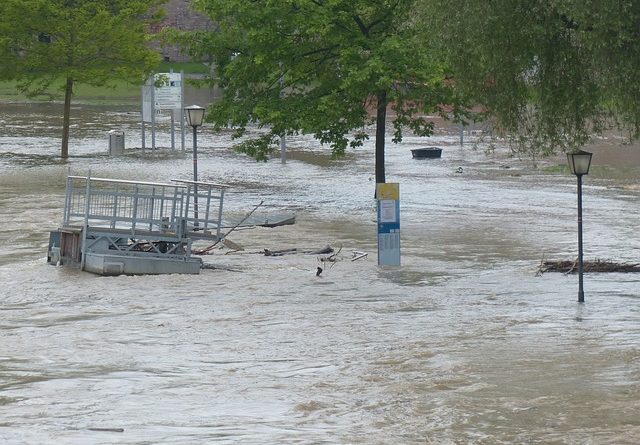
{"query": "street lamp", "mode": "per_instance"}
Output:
(195, 115)
(579, 163)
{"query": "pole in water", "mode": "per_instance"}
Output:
(580, 263)
(283, 149)
(195, 175)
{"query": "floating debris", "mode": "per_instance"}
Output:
(597, 265)
(281, 252)
(108, 430)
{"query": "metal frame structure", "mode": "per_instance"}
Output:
(115, 226)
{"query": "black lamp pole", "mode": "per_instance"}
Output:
(195, 153)
(195, 175)
(195, 117)
(580, 264)
(579, 163)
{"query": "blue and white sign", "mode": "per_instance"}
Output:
(388, 196)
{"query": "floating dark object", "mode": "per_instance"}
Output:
(427, 152)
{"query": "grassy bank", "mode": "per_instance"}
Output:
(120, 92)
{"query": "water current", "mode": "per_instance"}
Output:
(462, 344)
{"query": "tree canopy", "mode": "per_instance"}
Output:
(551, 73)
(77, 41)
(322, 67)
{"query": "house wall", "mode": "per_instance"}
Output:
(179, 15)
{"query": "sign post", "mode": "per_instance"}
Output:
(147, 108)
(163, 92)
(388, 198)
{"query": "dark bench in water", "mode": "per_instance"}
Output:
(427, 152)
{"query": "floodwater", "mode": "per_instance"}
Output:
(462, 344)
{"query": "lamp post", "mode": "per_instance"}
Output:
(579, 163)
(195, 115)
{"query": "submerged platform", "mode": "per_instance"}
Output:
(105, 264)
(113, 227)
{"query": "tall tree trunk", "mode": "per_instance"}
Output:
(381, 121)
(68, 91)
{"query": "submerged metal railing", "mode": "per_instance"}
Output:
(203, 207)
(183, 208)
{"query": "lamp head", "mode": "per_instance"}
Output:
(194, 115)
(579, 162)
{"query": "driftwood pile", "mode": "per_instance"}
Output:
(597, 265)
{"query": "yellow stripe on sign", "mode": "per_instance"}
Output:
(388, 190)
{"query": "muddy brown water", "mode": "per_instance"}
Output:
(461, 344)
